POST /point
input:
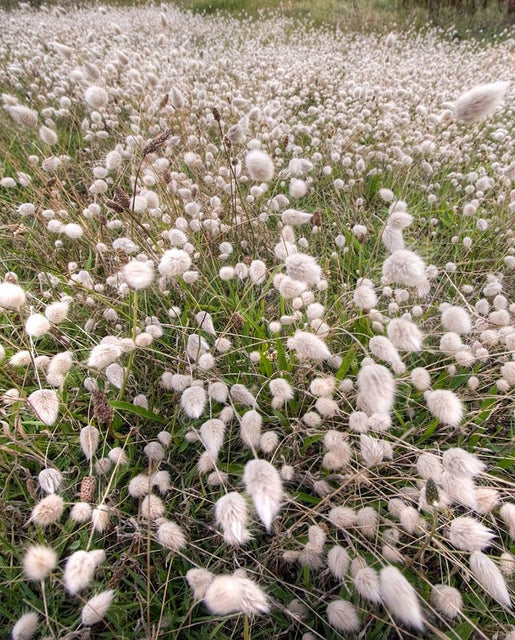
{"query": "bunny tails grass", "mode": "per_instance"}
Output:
(26, 627)
(400, 598)
(263, 484)
(479, 102)
(257, 324)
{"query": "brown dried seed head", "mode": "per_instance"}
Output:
(157, 142)
(216, 114)
(102, 410)
(317, 219)
(237, 320)
(164, 101)
(115, 206)
(31, 488)
(122, 198)
(87, 488)
(116, 577)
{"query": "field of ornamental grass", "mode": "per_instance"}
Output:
(257, 343)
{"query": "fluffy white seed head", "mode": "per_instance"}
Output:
(342, 517)
(212, 435)
(459, 462)
(259, 165)
(358, 421)
(421, 379)
(507, 513)
(376, 389)
(235, 594)
(281, 392)
(297, 188)
(405, 335)
(489, 576)
(480, 101)
(36, 325)
(263, 484)
(205, 322)
(456, 319)
(400, 598)
(218, 391)
(23, 116)
(429, 466)
(257, 272)
(100, 517)
(374, 451)
(450, 343)
(45, 405)
(241, 395)
(103, 354)
(25, 627)
(468, 534)
(365, 297)
(406, 268)
(231, 514)
(250, 428)
(507, 564)
(294, 218)
(198, 581)
(38, 562)
(334, 440)
(343, 616)
(310, 347)
(487, 499)
(50, 480)
(508, 372)
(411, 521)
(96, 608)
(459, 489)
(81, 512)
(367, 521)
(383, 349)
(96, 97)
(152, 507)
(393, 238)
(269, 442)
(386, 194)
(80, 569)
(399, 218)
(59, 364)
(303, 267)
(174, 262)
(89, 437)
(338, 562)
(446, 600)
(48, 510)
(138, 274)
(193, 401)
(170, 535)
(445, 406)
(366, 582)
(176, 98)
(12, 296)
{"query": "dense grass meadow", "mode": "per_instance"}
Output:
(257, 342)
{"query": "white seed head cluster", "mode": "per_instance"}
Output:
(242, 334)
